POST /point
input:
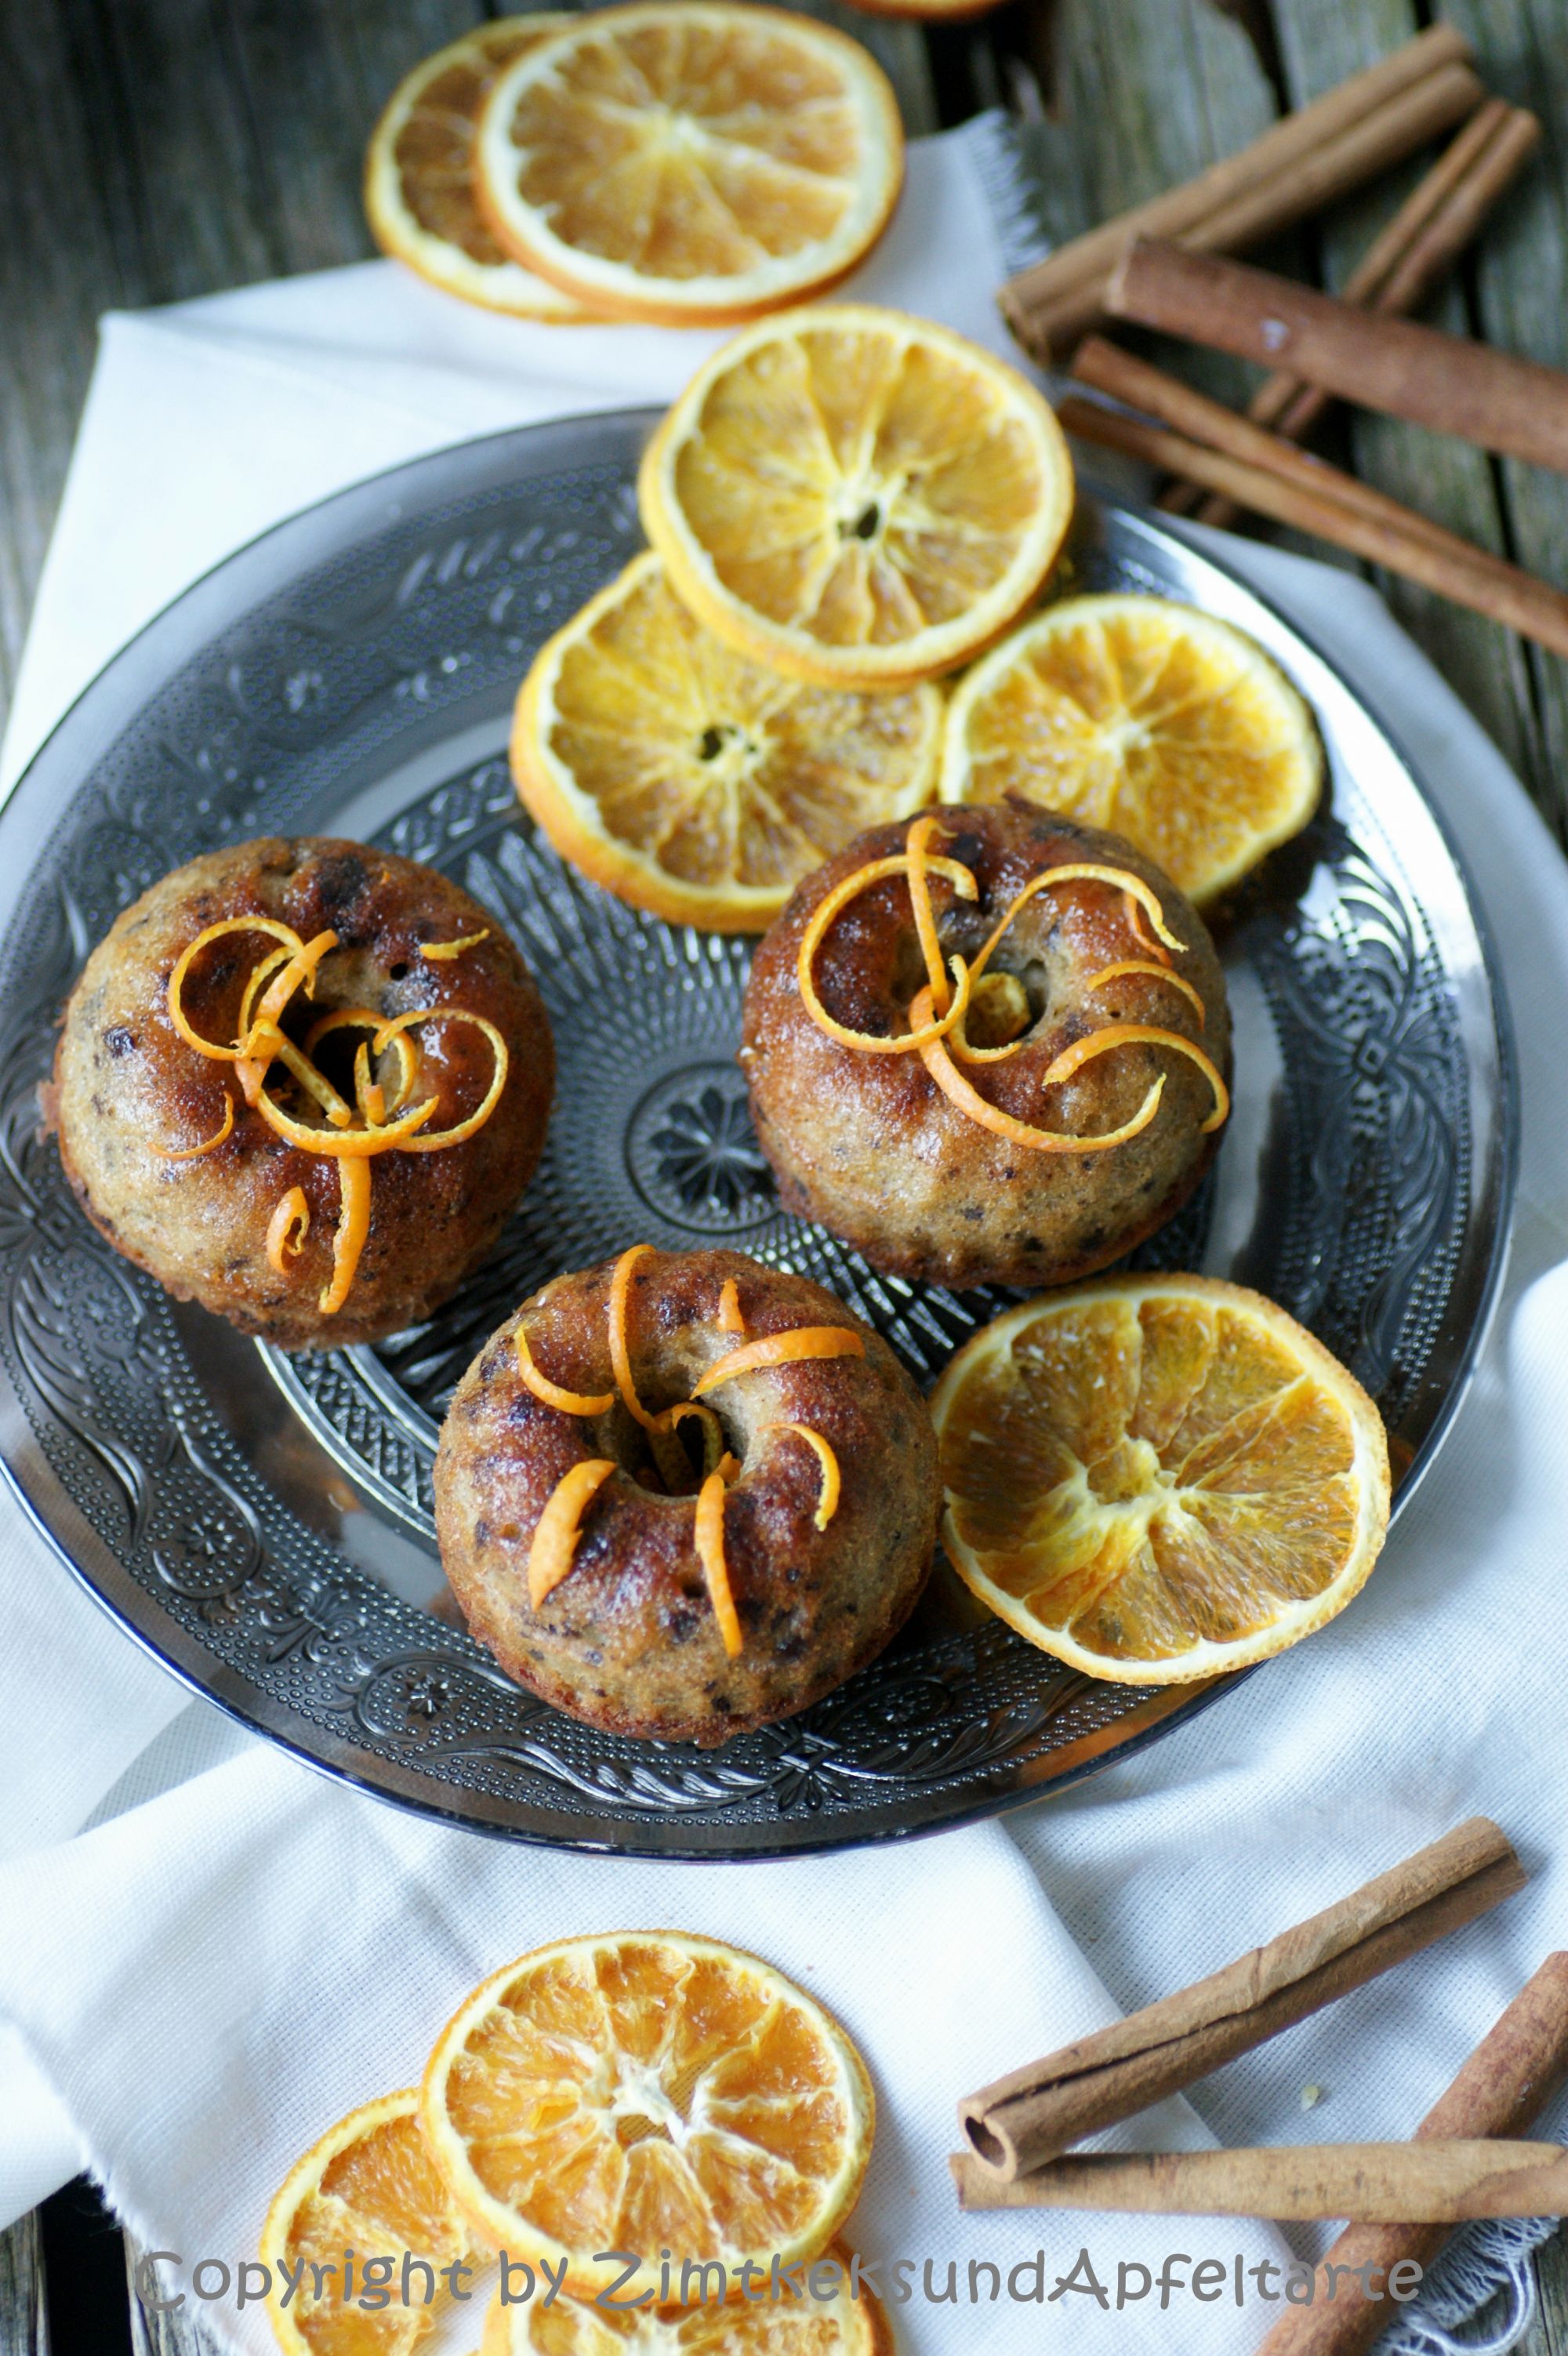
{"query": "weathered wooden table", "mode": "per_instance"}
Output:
(154, 149)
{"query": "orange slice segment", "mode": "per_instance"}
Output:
(419, 175)
(648, 2091)
(847, 2320)
(1147, 717)
(1159, 1477)
(856, 497)
(372, 2186)
(689, 779)
(694, 163)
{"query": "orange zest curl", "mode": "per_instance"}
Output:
(620, 1357)
(441, 1138)
(552, 1394)
(730, 1318)
(454, 949)
(1146, 1035)
(219, 1137)
(1156, 973)
(1135, 926)
(269, 965)
(178, 1016)
(343, 1144)
(1133, 888)
(715, 1454)
(710, 1536)
(968, 1098)
(383, 1127)
(782, 1350)
(550, 1557)
(557, 1533)
(915, 843)
(287, 1228)
(365, 1018)
(353, 1226)
(985, 988)
(828, 1501)
(816, 931)
(300, 971)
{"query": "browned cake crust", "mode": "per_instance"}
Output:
(627, 1640)
(870, 1146)
(126, 1083)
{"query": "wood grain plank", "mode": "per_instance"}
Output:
(311, 77)
(53, 285)
(1518, 290)
(899, 48)
(1319, 42)
(24, 2318)
(1547, 2335)
(1138, 97)
(152, 2334)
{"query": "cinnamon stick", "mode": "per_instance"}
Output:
(1377, 2183)
(1267, 160)
(1112, 369)
(1442, 215)
(1517, 407)
(1336, 507)
(1500, 2090)
(1032, 2114)
(1360, 153)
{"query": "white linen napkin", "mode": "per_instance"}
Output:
(201, 1983)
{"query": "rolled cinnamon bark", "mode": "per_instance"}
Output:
(1504, 2086)
(1267, 160)
(1377, 2183)
(1031, 2114)
(1350, 514)
(1401, 268)
(1362, 151)
(1517, 407)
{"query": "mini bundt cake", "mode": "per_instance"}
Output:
(989, 1047)
(303, 1083)
(680, 1494)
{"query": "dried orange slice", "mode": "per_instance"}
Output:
(856, 496)
(692, 781)
(930, 12)
(690, 162)
(1147, 717)
(419, 176)
(1159, 1477)
(648, 2091)
(369, 2186)
(848, 2319)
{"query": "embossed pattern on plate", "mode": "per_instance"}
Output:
(353, 669)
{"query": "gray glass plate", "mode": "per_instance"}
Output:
(263, 1525)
